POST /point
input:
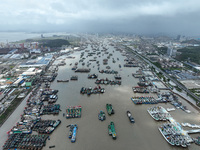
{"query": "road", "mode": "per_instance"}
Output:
(173, 80)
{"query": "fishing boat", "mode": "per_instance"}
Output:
(174, 135)
(130, 117)
(111, 130)
(74, 68)
(118, 77)
(53, 146)
(102, 116)
(73, 139)
(62, 80)
(110, 109)
(140, 89)
(92, 76)
(56, 123)
(74, 78)
(70, 130)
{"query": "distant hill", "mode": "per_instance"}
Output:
(54, 42)
(192, 53)
(192, 41)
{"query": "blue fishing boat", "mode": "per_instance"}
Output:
(73, 139)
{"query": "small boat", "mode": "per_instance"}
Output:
(102, 116)
(53, 146)
(130, 117)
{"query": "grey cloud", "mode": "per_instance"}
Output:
(134, 16)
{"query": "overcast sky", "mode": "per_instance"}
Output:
(130, 16)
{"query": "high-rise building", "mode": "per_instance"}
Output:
(169, 51)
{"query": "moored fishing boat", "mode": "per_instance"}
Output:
(110, 109)
(102, 116)
(111, 130)
(130, 117)
(62, 80)
(174, 134)
(118, 77)
(139, 89)
(73, 139)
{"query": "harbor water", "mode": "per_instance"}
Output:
(92, 133)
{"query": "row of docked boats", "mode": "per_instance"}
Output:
(46, 126)
(140, 89)
(51, 109)
(23, 141)
(108, 71)
(158, 113)
(90, 90)
(72, 132)
(73, 112)
(107, 82)
(147, 100)
(31, 121)
(50, 98)
(174, 136)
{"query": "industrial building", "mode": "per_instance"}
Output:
(38, 62)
